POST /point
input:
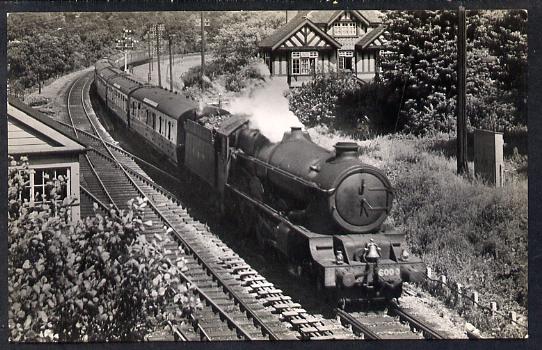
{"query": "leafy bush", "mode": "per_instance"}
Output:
(420, 67)
(192, 78)
(95, 280)
(316, 101)
(340, 101)
(474, 233)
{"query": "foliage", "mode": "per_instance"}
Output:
(316, 101)
(67, 41)
(420, 68)
(473, 233)
(236, 42)
(340, 101)
(96, 280)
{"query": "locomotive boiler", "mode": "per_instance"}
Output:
(333, 208)
(327, 192)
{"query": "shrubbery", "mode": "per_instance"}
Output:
(419, 67)
(340, 101)
(95, 280)
(475, 234)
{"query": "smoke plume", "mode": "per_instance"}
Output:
(267, 108)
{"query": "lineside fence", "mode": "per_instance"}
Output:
(465, 299)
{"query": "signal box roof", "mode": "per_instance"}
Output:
(30, 134)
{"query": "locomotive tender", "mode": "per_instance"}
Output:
(324, 211)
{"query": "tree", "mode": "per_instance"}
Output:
(236, 41)
(420, 67)
(95, 280)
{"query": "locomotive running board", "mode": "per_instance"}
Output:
(320, 246)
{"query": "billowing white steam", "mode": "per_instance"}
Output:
(267, 109)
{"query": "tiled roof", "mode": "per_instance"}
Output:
(322, 16)
(368, 38)
(326, 16)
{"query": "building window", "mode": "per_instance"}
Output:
(169, 130)
(154, 121)
(368, 62)
(304, 63)
(42, 180)
(346, 59)
(344, 29)
(160, 125)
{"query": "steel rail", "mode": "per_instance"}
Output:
(176, 331)
(197, 256)
(414, 322)
(68, 98)
(94, 198)
(153, 205)
(95, 173)
(123, 151)
(356, 325)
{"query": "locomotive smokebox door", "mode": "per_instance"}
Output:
(362, 201)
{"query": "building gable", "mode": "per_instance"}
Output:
(373, 39)
(306, 36)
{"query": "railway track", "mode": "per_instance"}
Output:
(238, 303)
(393, 323)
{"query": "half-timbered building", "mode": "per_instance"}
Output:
(315, 42)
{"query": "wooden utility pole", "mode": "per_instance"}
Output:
(159, 28)
(462, 166)
(202, 48)
(149, 41)
(170, 64)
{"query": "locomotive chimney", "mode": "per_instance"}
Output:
(295, 133)
(346, 149)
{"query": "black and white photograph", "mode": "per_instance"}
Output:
(261, 175)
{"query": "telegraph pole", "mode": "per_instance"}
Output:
(462, 166)
(202, 49)
(159, 30)
(149, 44)
(170, 63)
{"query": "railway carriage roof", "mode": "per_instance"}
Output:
(124, 84)
(164, 101)
(108, 72)
(101, 64)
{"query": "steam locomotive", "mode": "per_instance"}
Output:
(322, 210)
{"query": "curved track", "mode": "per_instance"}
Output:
(238, 302)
